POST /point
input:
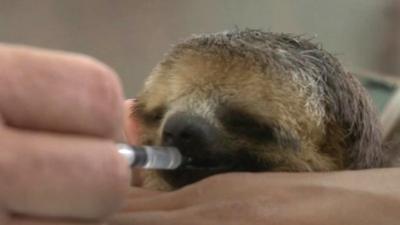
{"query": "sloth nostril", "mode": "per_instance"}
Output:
(168, 139)
(186, 136)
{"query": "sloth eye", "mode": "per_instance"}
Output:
(248, 126)
(153, 116)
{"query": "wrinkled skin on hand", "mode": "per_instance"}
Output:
(353, 197)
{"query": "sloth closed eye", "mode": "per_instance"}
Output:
(245, 125)
(153, 116)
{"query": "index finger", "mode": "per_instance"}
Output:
(53, 91)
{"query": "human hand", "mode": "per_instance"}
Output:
(59, 115)
(337, 198)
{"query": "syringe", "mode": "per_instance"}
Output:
(151, 157)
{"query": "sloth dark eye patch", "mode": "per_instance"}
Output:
(244, 124)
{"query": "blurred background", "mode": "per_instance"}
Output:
(132, 35)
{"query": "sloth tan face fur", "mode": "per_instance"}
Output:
(256, 101)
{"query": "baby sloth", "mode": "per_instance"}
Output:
(248, 100)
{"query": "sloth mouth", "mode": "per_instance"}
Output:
(206, 164)
(197, 168)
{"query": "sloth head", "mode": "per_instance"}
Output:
(256, 101)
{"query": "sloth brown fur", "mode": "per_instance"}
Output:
(248, 100)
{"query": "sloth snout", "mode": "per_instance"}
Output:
(191, 134)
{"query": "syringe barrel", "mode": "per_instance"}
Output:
(151, 157)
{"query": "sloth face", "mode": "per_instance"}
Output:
(229, 117)
(227, 111)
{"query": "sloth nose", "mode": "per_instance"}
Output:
(191, 134)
